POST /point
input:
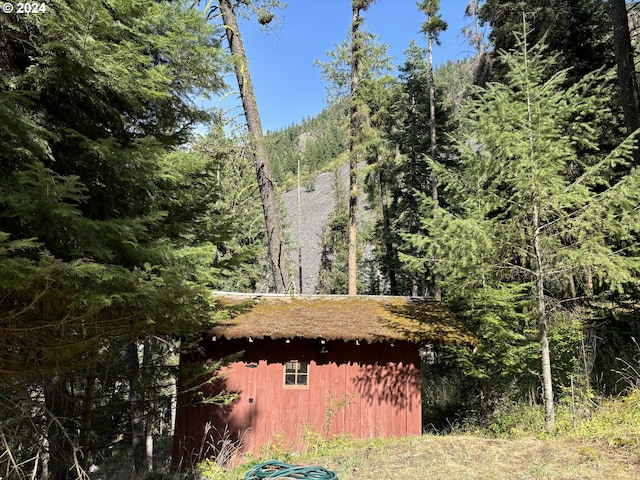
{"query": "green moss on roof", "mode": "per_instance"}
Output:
(340, 317)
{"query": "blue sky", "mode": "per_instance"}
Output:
(287, 83)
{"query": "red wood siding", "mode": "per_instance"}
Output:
(378, 384)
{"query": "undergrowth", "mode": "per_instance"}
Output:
(611, 422)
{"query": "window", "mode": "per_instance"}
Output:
(296, 374)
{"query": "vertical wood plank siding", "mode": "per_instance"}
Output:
(367, 390)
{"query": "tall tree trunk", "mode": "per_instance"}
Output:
(413, 202)
(148, 452)
(57, 402)
(626, 70)
(437, 294)
(277, 250)
(543, 330)
(147, 407)
(87, 413)
(173, 405)
(354, 128)
(137, 408)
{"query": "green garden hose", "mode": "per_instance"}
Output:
(273, 469)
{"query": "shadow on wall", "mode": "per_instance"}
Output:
(393, 384)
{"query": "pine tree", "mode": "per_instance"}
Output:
(530, 211)
(352, 69)
(238, 194)
(432, 29)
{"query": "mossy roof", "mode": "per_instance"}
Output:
(339, 317)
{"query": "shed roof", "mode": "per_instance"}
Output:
(339, 317)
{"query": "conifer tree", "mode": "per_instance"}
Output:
(353, 67)
(357, 120)
(107, 228)
(627, 78)
(410, 133)
(578, 31)
(530, 211)
(277, 247)
(432, 29)
(239, 194)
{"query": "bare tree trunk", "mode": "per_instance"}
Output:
(354, 127)
(148, 406)
(57, 402)
(87, 413)
(137, 408)
(173, 405)
(543, 329)
(149, 448)
(277, 249)
(437, 294)
(626, 69)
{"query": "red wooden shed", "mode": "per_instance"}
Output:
(312, 365)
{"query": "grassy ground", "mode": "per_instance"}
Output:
(606, 445)
(470, 457)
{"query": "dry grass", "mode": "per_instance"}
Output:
(470, 457)
(605, 445)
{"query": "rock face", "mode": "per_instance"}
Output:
(315, 208)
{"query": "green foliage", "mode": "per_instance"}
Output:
(616, 421)
(317, 143)
(579, 31)
(434, 23)
(374, 62)
(524, 177)
(244, 253)
(332, 277)
(118, 219)
(109, 229)
(515, 419)
(403, 120)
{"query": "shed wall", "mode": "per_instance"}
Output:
(367, 390)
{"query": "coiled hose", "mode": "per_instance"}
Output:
(273, 469)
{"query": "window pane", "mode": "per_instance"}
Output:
(296, 373)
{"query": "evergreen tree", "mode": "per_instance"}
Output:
(366, 60)
(107, 228)
(410, 132)
(578, 31)
(277, 248)
(432, 29)
(531, 214)
(381, 96)
(239, 195)
(332, 275)
(357, 122)
(627, 78)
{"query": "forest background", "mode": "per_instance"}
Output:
(506, 182)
